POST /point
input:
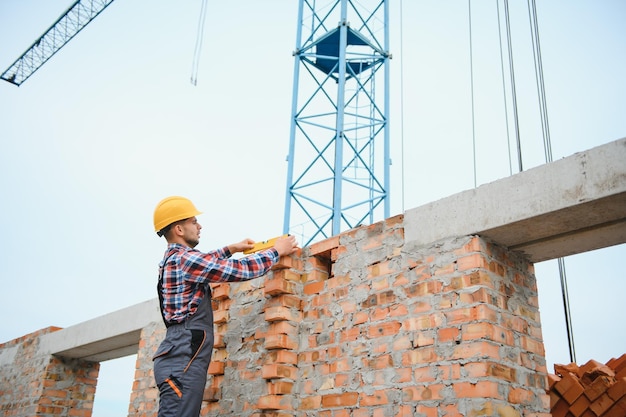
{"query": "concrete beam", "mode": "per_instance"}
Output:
(570, 206)
(111, 336)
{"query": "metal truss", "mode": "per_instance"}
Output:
(338, 162)
(75, 18)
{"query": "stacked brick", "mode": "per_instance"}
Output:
(33, 384)
(591, 390)
(283, 314)
(221, 303)
(254, 361)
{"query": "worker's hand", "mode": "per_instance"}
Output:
(241, 246)
(286, 245)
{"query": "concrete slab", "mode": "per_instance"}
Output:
(570, 206)
(111, 336)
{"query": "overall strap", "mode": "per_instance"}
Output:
(160, 288)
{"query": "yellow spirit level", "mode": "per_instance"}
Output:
(263, 245)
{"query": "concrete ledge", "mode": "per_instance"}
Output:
(111, 336)
(570, 206)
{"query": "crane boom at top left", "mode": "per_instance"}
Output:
(75, 18)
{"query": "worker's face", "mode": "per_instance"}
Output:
(191, 232)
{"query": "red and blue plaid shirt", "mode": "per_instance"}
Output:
(185, 274)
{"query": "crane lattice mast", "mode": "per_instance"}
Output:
(338, 161)
(75, 18)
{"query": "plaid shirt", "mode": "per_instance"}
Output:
(186, 273)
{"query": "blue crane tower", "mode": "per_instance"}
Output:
(339, 158)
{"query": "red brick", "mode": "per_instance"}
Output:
(216, 368)
(211, 394)
(575, 391)
(288, 275)
(384, 329)
(601, 404)
(419, 356)
(282, 313)
(490, 369)
(278, 285)
(283, 327)
(561, 409)
(220, 316)
(280, 341)
(275, 402)
(489, 331)
(220, 291)
(377, 398)
(406, 411)
(280, 356)
(314, 287)
(553, 379)
(554, 398)
(532, 345)
(617, 365)
(579, 406)
(286, 262)
(521, 396)
(593, 369)
(285, 300)
(428, 411)
(311, 403)
(347, 399)
(618, 389)
(380, 269)
(480, 389)
(325, 246)
(340, 365)
(274, 371)
(598, 387)
(476, 260)
(469, 314)
(618, 409)
(278, 387)
(477, 349)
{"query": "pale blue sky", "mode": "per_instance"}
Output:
(88, 141)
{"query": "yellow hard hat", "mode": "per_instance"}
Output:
(173, 209)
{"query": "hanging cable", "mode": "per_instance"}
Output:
(469, 7)
(541, 92)
(568, 316)
(547, 145)
(506, 109)
(198, 49)
(513, 90)
(402, 105)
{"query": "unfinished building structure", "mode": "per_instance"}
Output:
(427, 313)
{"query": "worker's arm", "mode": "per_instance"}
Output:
(241, 246)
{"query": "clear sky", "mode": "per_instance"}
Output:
(112, 124)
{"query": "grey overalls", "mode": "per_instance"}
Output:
(182, 360)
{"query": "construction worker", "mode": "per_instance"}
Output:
(182, 360)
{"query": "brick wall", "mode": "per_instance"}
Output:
(32, 384)
(362, 325)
